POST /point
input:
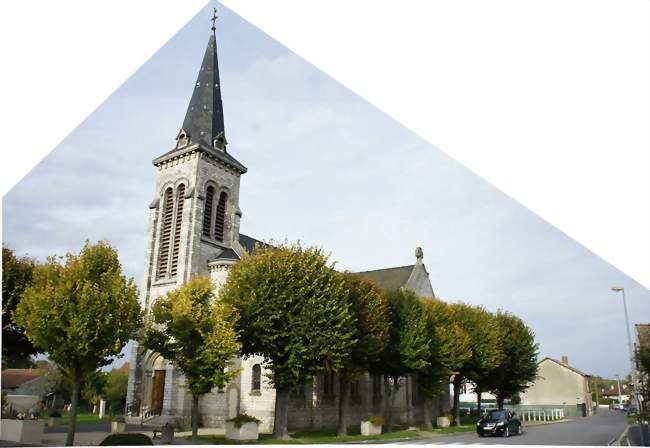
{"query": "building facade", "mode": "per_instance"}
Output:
(559, 384)
(193, 229)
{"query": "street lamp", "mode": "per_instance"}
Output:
(629, 345)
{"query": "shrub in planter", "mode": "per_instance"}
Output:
(29, 431)
(118, 424)
(242, 427)
(442, 422)
(127, 439)
(372, 425)
(53, 417)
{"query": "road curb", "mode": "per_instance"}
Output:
(617, 441)
(540, 423)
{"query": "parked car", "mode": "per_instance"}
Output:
(499, 423)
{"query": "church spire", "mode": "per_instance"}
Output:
(203, 122)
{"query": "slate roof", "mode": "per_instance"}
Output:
(12, 378)
(227, 254)
(204, 118)
(390, 278)
(249, 242)
(203, 125)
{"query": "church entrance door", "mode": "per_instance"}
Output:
(158, 391)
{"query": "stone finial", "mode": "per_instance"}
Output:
(419, 254)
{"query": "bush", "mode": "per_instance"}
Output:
(376, 420)
(126, 439)
(241, 419)
(54, 413)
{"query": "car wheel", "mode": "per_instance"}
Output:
(506, 432)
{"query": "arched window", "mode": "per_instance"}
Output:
(256, 381)
(178, 220)
(165, 231)
(207, 211)
(220, 217)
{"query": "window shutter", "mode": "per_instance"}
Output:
(207, 211)
(177, 228)
(220, 221)
(165, 232)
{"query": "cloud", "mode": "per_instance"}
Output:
(327, 168)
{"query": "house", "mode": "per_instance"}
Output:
(559, 384)
(25, 387)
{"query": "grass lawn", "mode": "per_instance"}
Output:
(85, 419)
(468, 423)
(316, 436)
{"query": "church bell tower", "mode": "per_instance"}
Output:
(193, 224)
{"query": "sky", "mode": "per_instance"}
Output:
(327, 168)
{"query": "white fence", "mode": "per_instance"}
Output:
(541, 415)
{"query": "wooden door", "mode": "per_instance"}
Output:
(158, 392)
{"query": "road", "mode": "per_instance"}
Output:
(597, 430)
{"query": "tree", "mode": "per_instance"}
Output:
(408, 347)
(449, 350)
(92, 389)
(115, 389)
(196, 332)
(484, 342)
(17, 274)
(369, 309)
(81, 313)
(294, 313)
(518, 367)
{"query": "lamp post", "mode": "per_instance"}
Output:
(630, 347)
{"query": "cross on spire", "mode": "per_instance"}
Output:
(214, 19)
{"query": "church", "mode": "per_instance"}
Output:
(193, 229)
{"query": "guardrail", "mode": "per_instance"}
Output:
(541, 415)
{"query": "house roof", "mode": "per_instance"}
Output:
(389, 278)
(125, 367)
(12, 378)
(565, 366)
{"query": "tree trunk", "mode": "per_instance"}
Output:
(388, 404)
(409, 401)
(195, 417)
(500, 400)
(426, 413)
(478, 400)
(281, 413)
(344, 406)
(72, 426)
(456, 408)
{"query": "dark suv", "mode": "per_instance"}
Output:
(499, 423)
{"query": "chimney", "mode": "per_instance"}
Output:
(565, 360)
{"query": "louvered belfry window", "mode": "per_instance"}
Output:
(220, 218)
(207, 211)
(166, 231)
(180, 201)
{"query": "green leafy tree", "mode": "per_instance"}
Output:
(643, 363)
(484, 341)
(92, 389)
(196, 332)
(449, 350)
(17, 275)
(115, 390)
(370, 312)
(518, 367)
(408, 347)
(295, 313)
(81, 311)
